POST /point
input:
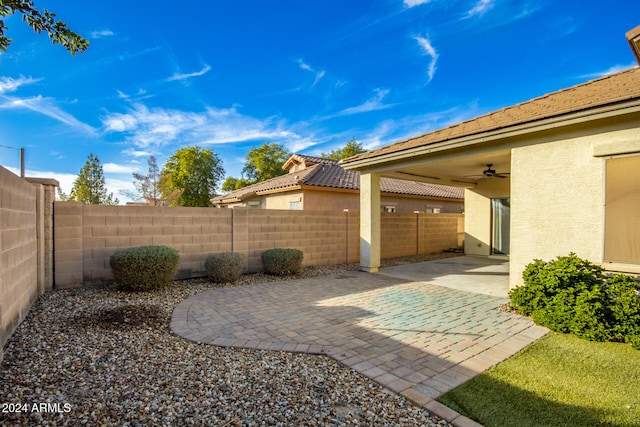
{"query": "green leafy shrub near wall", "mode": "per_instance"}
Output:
(280, 262)
(572, 295)
(224, 267)
(144, 268)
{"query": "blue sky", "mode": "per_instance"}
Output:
(309, 74)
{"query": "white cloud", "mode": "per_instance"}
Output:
(412, 3)
(150, 129)
(480, 8)
(611, 70)
(101, 34)
(429, 50)
(179, 76)
(116, 168)
(318, 74)
(47, 107)
(8, 84)
(372, 104)
(136, 153)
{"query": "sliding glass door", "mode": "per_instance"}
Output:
(500, 226)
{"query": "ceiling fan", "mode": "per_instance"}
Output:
(489, 173)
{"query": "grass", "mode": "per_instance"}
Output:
(560, 380)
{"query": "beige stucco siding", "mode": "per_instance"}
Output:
(557, 199)
(339, 200)
(281, 200)
(478, 214)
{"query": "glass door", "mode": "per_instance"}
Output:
(500, 226)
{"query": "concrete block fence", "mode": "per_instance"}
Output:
(26, 246)
(86, 235)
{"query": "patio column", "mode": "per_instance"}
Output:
(369, 221)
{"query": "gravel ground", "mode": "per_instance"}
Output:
(106, 357)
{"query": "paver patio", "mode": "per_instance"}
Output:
(414, 338)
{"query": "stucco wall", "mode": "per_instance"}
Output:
(313, 199)
(478, 214)
(557, 197)
(335, 200)
(280, 200)
(18, 252)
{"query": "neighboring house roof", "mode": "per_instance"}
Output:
(305, 160)
(329, 174)
(608, 90)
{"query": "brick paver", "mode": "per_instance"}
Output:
(416, 339)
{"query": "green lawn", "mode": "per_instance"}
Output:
(560, 380)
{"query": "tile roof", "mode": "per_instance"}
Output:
(611, 89)
(330, 174)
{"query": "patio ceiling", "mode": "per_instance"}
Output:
(462, 169)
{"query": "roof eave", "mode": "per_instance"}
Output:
(293, 187)
(612, 110)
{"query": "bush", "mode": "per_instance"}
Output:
(572, 295)
(144, 268)
(280, 262)
(224, 267)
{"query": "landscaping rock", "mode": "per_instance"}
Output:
(107, 357)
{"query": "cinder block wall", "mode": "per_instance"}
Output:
(398, 234)
(18, 252)
(440, 231)
(86, 235)
(321, 235)
(403, 234)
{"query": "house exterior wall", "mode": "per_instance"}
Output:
(478, 214)
(319, 200)
(337, 200)
(557, 196)
(281, 200)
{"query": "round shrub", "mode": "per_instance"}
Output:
(281, 262)
(144, 268)
(572, 295)
(224, 267)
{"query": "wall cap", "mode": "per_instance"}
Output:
(43, 181)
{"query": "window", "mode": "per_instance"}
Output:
(432, 210)
(294, 206)
(389, 208)
(254, 205)
(622, 210)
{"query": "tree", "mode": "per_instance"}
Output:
(40, 21)
(232, 183)
(352, 148)
(262, 163)
(147, 187)
(89, 186)
(190, 177)
(265, 162)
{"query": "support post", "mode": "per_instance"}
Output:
(369, 221)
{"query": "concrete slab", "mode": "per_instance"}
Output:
(488, 276)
